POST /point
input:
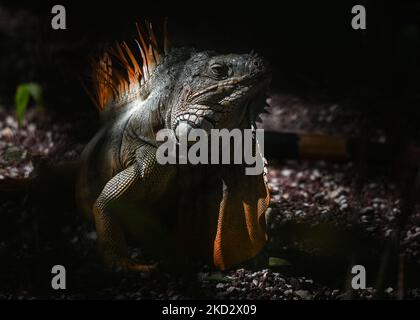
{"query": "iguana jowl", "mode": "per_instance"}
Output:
(215, 212)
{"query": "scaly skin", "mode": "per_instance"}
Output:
(187, 89)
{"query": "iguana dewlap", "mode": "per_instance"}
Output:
(205, 211)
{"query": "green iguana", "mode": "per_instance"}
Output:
(208, 212)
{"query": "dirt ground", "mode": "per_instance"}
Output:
(321, 221)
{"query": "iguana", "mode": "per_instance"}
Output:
(210, 212)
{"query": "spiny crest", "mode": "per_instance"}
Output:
(119, 74)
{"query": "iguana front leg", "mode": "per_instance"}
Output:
(145, 171)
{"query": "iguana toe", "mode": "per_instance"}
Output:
(126, 264)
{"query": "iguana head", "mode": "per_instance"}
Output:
(219, 91)
(179, 89)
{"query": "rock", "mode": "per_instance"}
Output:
(304, 294)
(230, 289)
(389, 290)
(6, 133)
(220, 286)
(335, 193)
(91, 235)
(344, 206)
(286, 173)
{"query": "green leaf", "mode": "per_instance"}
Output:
(21, 101)
(23, 94)
(277, 262)
(35, 90)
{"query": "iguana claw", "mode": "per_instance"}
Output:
(125, 264)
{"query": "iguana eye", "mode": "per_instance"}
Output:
(219, 70)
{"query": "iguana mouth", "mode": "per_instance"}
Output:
(196, 121)
(186, 122)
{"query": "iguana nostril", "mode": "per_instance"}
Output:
(256, 63)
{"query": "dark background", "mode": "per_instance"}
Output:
(314, 53)
(310, 44)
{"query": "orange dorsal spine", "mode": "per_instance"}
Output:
(119, 72)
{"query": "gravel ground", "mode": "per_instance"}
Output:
(304, 196)
(37, 138)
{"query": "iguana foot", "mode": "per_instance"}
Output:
(126, 264)
(145, 268)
